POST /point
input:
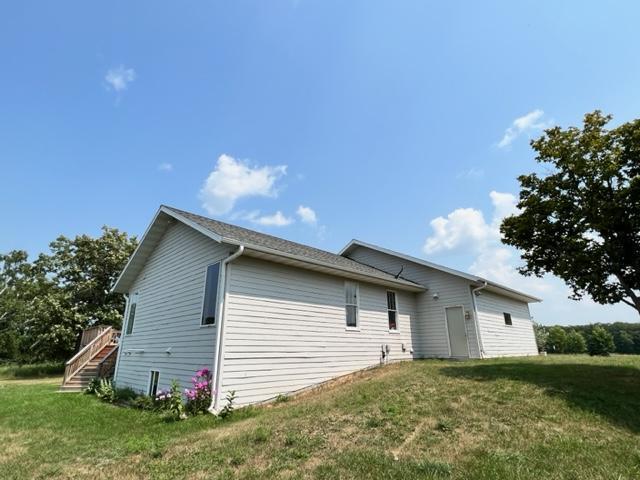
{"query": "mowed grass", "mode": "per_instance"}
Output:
(564, 417)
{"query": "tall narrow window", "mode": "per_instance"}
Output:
(392, 310)
(351, 303)
(507, 318)
(154, 377)
(210, 295)
(133, 302)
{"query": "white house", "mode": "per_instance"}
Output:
(269, 316)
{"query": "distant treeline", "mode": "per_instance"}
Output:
(565, 339)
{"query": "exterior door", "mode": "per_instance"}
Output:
(457, 332)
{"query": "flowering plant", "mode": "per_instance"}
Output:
(199, 396)
(170, 401)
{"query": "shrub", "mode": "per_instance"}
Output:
(542, 334)
(575, 342)
(170, 402)
(228, 408)
(199, 396)
(600, 342)
(94, 385)
(143, 402)
(105, 391)
(557, 340)
(125, 394)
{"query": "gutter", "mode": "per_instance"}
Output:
(216, 381)
(474, 292)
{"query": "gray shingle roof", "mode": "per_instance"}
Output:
(244, 236)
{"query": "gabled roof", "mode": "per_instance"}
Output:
(508, 291)
(257, 245)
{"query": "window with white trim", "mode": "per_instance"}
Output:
(210, 295)
(133, 302)
(507, 319)
(392, 311)
(351, 304)
(154, 378)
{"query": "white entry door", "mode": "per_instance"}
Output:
(457, 332)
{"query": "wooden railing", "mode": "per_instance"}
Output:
(107, 365)
(90, 333)
(90, 350)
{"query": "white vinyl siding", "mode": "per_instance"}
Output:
(498, 338)
(285, 329)
(168, 335)
(430, 335)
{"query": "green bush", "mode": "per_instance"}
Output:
(575, 343)
(143, 402)
(600, 342)
(169, 402)
(125, 394)
(106, 391)
(541, 334)
(94, 385)
(557, 340)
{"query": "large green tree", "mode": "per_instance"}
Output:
(45, 304)
(580, 218)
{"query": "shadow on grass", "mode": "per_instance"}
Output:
(612, 392)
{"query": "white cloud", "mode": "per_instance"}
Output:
(233, 179)
(461, 228)
(526, 124)
(278, 219)
(119, 78)
(165, 167)
(307, 215)
(466, 230)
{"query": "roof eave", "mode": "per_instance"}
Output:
(474, 278)
(337, 270)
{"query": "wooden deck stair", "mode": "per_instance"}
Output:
(96, 358)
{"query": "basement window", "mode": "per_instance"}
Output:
(210, 295)
(154, 377)
(392, 311)
(507, 318)
(133, 302)
(351, 304)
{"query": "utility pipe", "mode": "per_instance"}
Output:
(216, 381)
(474, 292)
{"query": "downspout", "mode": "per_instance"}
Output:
(216, 381)
(124, 320)
(475, 315)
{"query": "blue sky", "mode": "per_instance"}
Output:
(404, 124)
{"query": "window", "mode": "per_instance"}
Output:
(210, 295)
(154, 377)
(351, 304)
(507, 318)
(133, 302)
(392, 310)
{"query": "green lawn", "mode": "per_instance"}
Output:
(565, 417)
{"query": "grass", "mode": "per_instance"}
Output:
(563, 417)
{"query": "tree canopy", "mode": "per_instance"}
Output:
(580, 220)
(46, 303)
